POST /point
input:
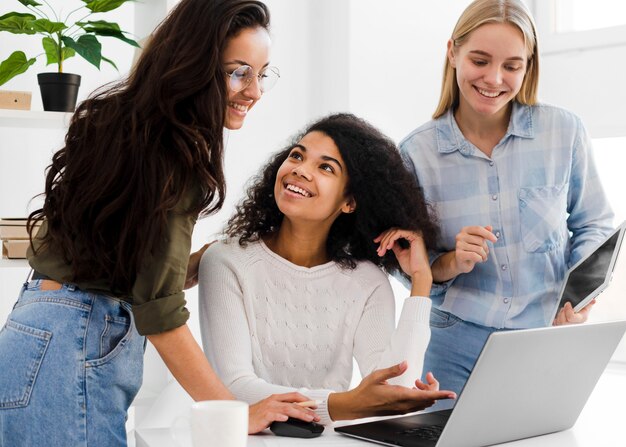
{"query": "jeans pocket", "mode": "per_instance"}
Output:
(22, 349)
(115, 329)
(110, 329)
(441, 319)
(543, 216)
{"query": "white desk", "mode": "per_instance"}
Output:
(601, 424)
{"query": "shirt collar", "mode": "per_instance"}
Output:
(450, 138)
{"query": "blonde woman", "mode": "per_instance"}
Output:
(514, 185)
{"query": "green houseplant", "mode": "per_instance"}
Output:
(62, 39)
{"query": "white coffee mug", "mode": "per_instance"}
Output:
(221, 423)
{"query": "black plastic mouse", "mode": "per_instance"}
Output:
(295, 428)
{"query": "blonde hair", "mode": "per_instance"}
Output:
(481, 12)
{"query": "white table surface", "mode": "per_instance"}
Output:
(602, 423)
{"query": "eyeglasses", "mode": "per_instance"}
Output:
(241, 78)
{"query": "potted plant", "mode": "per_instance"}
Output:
(62, 39)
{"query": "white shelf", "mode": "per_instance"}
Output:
(14, 263)
(32, 119)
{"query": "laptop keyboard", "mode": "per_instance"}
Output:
(428, 432)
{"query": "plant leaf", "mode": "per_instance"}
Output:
(15, 64)
(110, 62)
(68, 52)
(52, 51)
(17, 23)
(46, 26)
(104, 5)
(86, 46)
(108, 29)
(29, 3)
(99, 25)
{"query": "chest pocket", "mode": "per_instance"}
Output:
(543, 216)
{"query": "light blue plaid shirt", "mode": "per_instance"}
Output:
(539, 191)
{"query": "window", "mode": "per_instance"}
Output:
(565, 25)
(583, 15)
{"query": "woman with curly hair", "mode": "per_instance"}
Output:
(300, 289)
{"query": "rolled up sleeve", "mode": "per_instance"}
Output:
(158, 297)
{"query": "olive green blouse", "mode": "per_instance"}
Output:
(158, 301)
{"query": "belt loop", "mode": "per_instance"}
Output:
(71, 287)
(28, 277)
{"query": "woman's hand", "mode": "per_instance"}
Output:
(413, 260)
(375, 397)
(432, 385)
(567, 315)
(471, 247)
(278, 407)
(194, 263)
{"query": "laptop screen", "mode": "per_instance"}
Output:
(591, 274)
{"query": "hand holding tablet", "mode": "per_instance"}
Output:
(586, 279)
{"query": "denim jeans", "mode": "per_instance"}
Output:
(71, 364)
(454, 347)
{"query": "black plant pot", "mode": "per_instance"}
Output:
(59, 91)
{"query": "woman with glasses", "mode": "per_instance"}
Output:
(142, 159)
(514, 185)
(300, 279)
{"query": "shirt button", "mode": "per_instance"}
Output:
(506, 300)
(491, 163)
(503, 267)
(494, 197)
(498, 234)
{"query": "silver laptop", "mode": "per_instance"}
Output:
(525, 383)
(586, 279)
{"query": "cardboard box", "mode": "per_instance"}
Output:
(15, 228)
(15, 100)
(15, 232)
(14, 249)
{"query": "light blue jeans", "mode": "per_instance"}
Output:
(454, 347)
(71, 363)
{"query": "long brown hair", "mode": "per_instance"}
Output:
(134, 149)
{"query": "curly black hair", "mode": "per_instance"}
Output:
(386, 195)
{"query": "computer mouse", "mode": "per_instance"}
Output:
(295, 428)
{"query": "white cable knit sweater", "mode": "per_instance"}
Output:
(270, 326)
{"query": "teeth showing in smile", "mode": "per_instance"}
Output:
(300, 191)
(238, 107)
(488, 94)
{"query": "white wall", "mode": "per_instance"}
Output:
(397, 51)
(591, 84)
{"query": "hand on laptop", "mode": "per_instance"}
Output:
(567, 315)
(375, 397)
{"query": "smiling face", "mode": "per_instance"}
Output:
(311, 183)
(490, 68)
(250, 47)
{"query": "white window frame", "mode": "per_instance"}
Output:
(558, 42)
